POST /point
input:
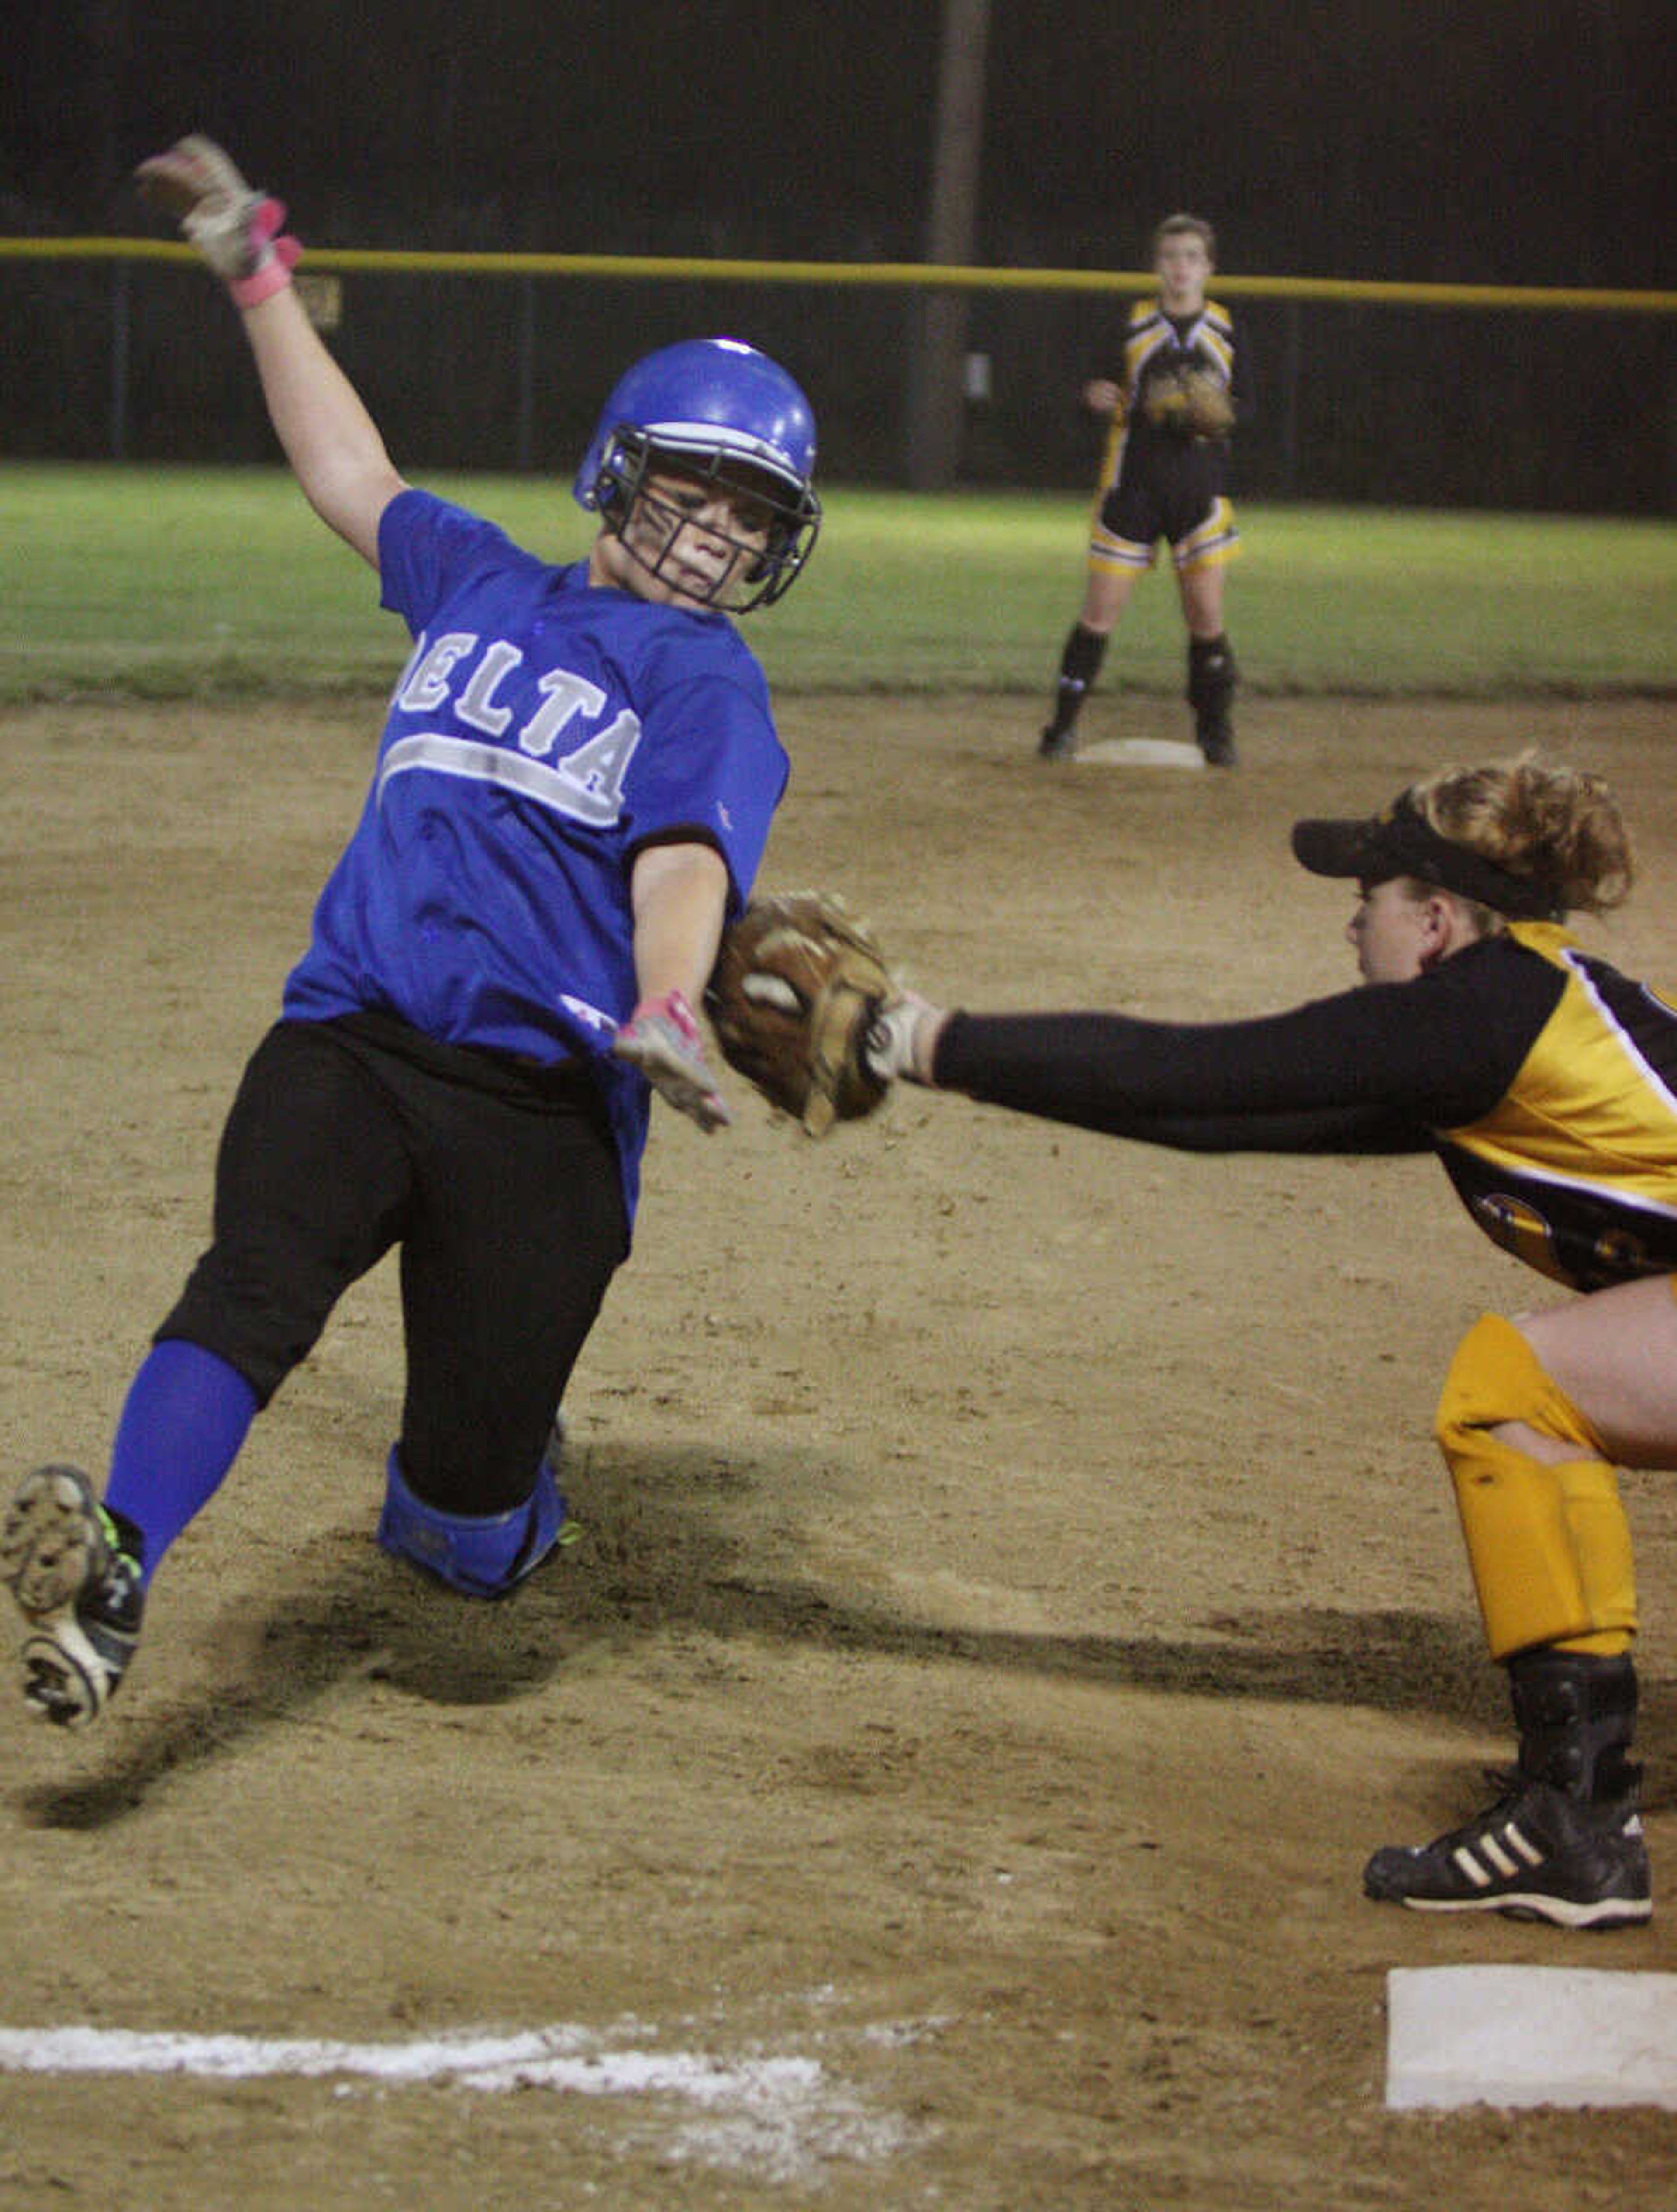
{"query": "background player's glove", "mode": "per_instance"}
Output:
(1191, 401)
(796, 986)
(237, 230)
(662, 1039)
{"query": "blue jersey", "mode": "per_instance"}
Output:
(542, 734)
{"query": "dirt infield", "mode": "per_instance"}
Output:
(1017, 1587)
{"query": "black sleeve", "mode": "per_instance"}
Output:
(1370, 1070)
(1360, 1129)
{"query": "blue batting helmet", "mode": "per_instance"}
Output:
(714, 408)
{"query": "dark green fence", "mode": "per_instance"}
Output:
(1398, 394)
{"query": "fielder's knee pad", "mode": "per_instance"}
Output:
(1211, 674)
(481, 1555)
(1549, 1545)
(1084, 651)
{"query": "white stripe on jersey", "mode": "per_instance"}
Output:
(587, 786)
(1576, 967)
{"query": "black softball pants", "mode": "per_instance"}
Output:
(499, 1183)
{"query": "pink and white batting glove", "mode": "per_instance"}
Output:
(238, 231)
(662, 1039)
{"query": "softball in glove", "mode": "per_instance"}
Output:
(796, 985)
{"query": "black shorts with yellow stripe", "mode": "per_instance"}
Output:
(1177, 496)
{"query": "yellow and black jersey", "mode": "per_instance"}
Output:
(1544, 1080)
(1156, 343)
(1575, 1168)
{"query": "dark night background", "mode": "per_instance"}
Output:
(1496, 144)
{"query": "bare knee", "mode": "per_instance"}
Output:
(1520, 1437)
(1104, 601)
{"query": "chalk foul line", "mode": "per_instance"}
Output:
(780, 2112)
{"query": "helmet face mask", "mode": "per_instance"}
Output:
(638, 494)
(713, 418)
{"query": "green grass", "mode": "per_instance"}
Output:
(184, 582)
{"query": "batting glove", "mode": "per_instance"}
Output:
(237, 230)
(662, 1039)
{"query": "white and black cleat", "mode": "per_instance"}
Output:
(1537, 1854)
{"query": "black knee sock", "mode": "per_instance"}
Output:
(1210, 674)
(1079, 664)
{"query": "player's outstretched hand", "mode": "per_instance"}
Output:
(897, 1044)
(662, 1039)
(236, 229)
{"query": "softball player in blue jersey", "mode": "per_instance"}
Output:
(1546, 1082)
(572, 790)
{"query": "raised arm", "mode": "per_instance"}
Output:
(330, 441)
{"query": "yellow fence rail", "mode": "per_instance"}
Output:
(924, 275)
(935, 371)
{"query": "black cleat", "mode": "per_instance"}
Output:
(1055, 745)
(78, 1584)
(1537, 1854)
(1217, 742)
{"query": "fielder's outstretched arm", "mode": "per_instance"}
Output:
(1345, 1071)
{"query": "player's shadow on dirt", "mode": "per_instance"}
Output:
(344, 1616)
(658, 1555)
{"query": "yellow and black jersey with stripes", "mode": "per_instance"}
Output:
(1156, 343)
(1574, 1169)
(1544, 1079)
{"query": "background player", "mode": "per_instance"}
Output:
(573, 787)
(1159, 478)
(1546, 1082)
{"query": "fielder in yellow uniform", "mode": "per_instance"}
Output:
(1546, 1081)
(1162, 479)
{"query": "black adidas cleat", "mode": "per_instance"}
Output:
(77, 1580)
(1536, 1854)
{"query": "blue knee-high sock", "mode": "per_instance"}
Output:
(186, 1416)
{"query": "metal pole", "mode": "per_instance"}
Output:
(938, 320)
